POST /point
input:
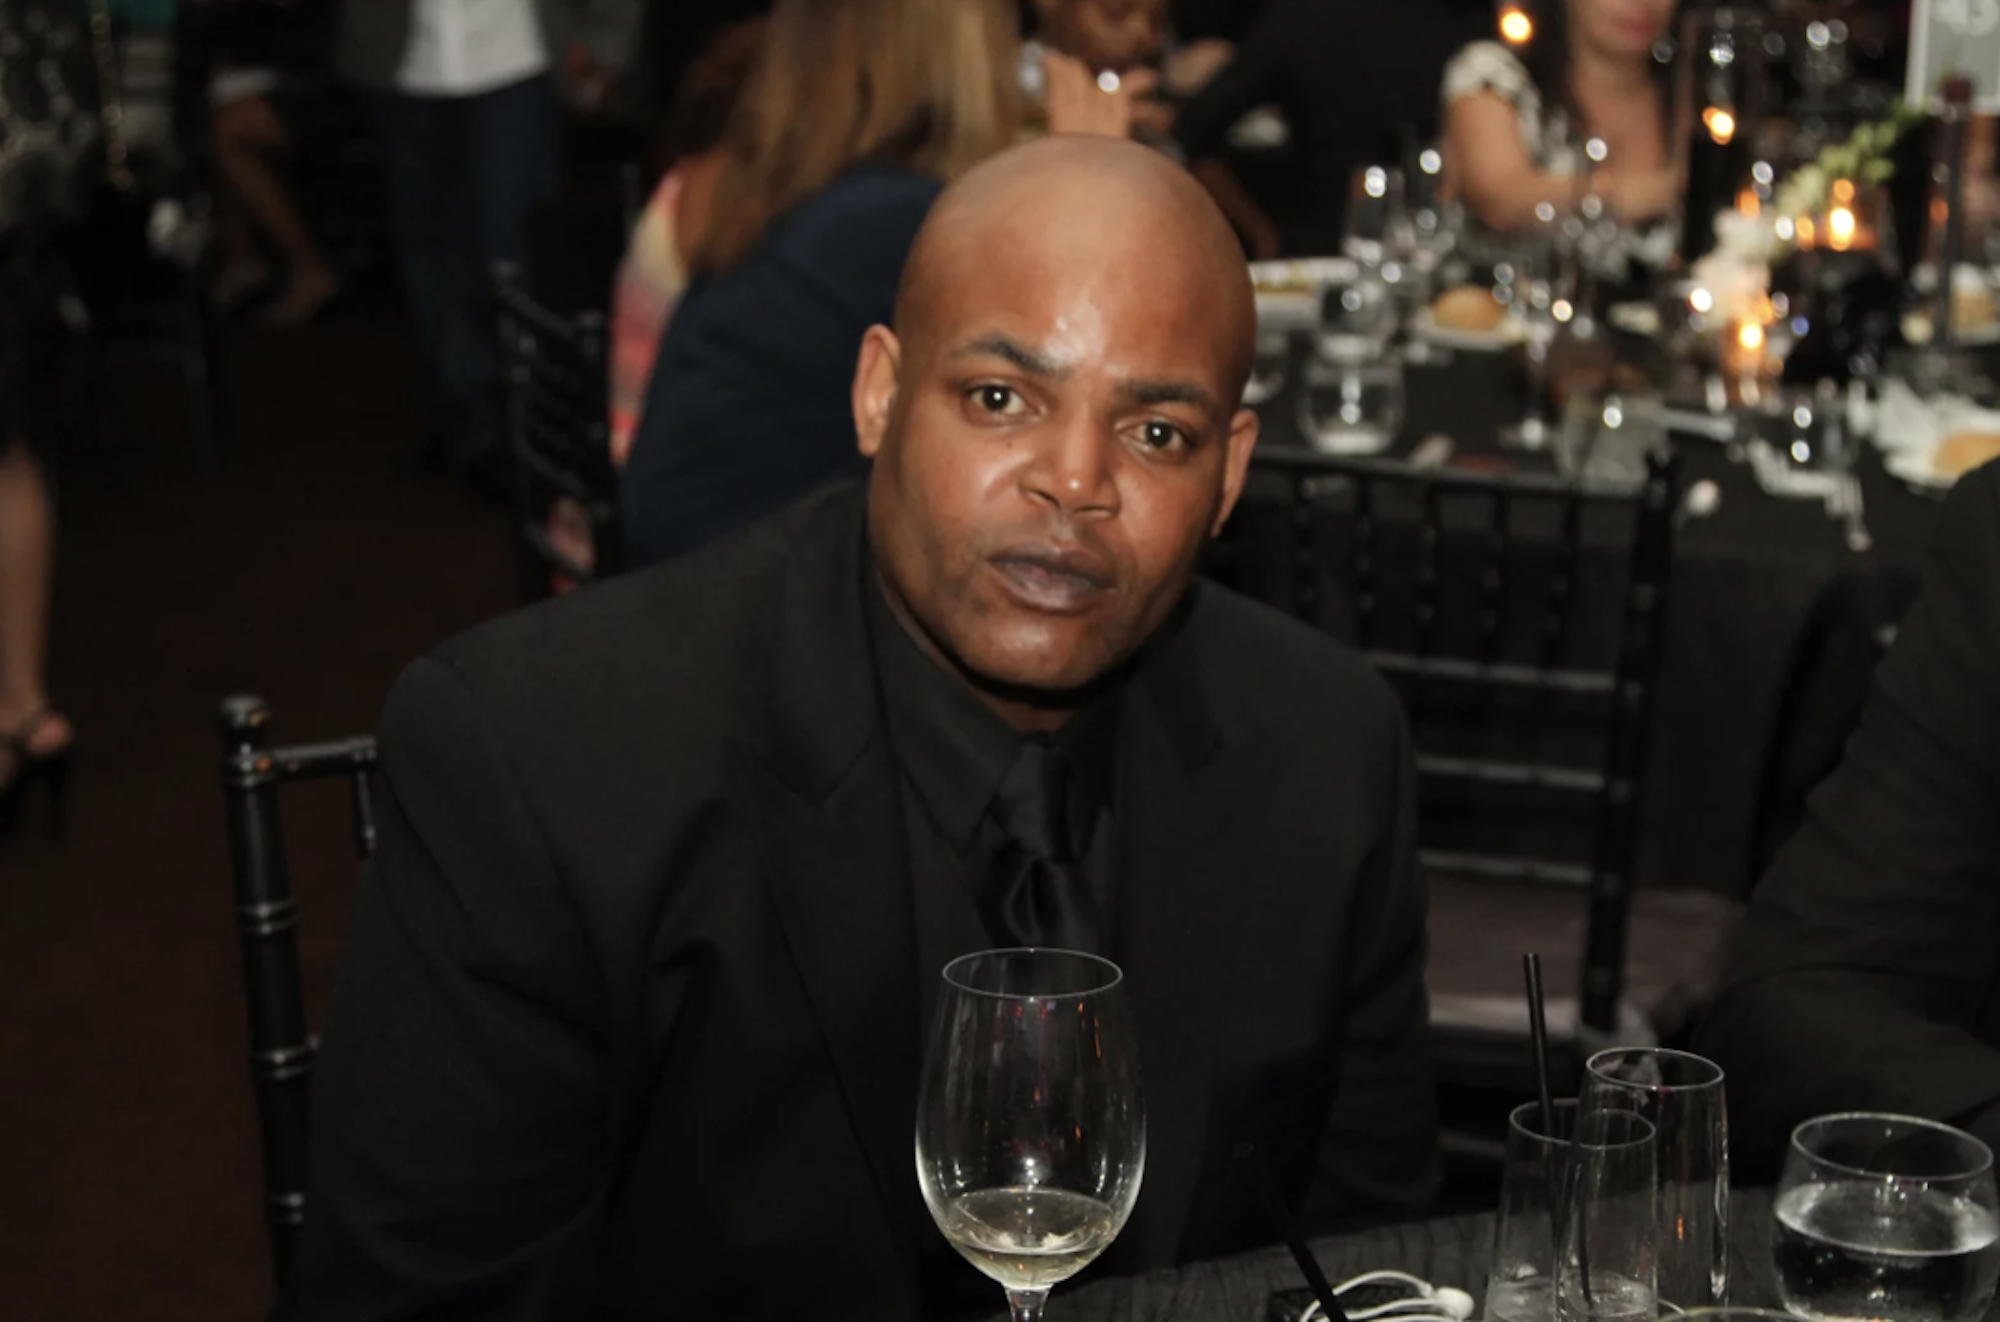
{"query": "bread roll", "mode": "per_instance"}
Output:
(1468, 308)
(1963, 451)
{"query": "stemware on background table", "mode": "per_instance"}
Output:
(1682, 1096)
(1885, 1218)
(1031, 1120)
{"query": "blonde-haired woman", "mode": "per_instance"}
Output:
(858, 114)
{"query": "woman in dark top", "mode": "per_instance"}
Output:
(858, 114)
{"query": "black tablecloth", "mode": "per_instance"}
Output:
(1452, 1251)
(1773, 631)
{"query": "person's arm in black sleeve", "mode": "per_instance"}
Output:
(1253, 78)
(1872, 946)
(1380, 1153)
(460, 1149)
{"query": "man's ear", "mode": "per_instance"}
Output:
(875, 374)
(1235, 465)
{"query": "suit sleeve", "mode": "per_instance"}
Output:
(1380, 1153)
(1873, 943)
(459, 1147)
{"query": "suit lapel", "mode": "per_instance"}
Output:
(1174, 939)
(834, 853)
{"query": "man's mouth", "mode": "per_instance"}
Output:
(1060, 580)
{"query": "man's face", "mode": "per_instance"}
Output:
(1052, 447)
(1105, 34)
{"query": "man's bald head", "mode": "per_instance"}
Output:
(1085, 205)
(1055, 419)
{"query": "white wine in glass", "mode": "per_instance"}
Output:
(1031, 1123)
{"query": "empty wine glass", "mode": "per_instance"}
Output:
(1031, 1120)
(1682, 1096)
(1888, 1218)
(1351, 405)
(1376, 216)
(1535, 304)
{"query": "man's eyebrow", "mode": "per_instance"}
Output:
(1020, 355)
(1167, 392)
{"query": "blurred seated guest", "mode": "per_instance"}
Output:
(1516, 124)
(254, 208)
(1389, 58)
(811, 213)
(1867, 972)
(633, 998)
(1104, 35)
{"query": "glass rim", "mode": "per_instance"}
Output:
(1116, 974)
(1739, 1310)
(1980, 1150)
(1590, 1069)
(1575, 1106)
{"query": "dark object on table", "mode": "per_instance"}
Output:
(554, 375)
(1531, 727)
(1266, 1189)
(1853, 301)
(267, 920)
(1867, 973)
(1356, 82)
(638, 836)
(748, 408)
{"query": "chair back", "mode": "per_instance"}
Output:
(1520, 619)
(558, 418)
(267, 922)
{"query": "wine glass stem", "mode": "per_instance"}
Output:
(1027, 1304)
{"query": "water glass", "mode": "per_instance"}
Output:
(1376, 216)
(1886, 1218)
(1521, 1286)
(1608, 437)
(1681, 1095)
(1031, 1121)
(1607, 1267)
(1358, 314)
(1351, 405)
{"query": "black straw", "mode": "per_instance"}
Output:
(1274, 1209)
(1538, 1031)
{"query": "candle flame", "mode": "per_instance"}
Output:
(1720, 123)
(1750, 335)
(1516, 28)
(1840, 229)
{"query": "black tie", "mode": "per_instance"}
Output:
(1035, 892)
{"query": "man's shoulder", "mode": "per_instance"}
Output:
(682, 635)
(1263, 669)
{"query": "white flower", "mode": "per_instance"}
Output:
(1737, 285)
(1750, 239)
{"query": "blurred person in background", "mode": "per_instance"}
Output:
(1516, 124)
(254, 208)
(858, 114)
(1353, 81)
(54, 156)
(465, 101)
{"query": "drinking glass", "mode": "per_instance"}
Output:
(1682, 1096)
(1031, 1121)
(1358, 314)
(1376, 216)
(1521, 1287)
(1607, 436)
(1351, 404)
(1535, 299)
(1888, 1218)
(1606, 1269)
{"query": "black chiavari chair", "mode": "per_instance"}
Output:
(267, 921)
(1521, 620)
(558, 418)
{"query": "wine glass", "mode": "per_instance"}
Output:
(1536, 304)
(1376, 217)
(1682, 1096)
(1607, 1267)
(1031, 1121)
(1351, 404)
(1886, 1217)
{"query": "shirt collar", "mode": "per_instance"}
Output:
(955, 750)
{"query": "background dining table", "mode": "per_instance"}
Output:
(1774, 625)
(1454, 1251)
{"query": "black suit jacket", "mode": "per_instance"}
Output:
(627, 1021)
(1866, 975)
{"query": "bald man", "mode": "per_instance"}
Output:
(630, 1019)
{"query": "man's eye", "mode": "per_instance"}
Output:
(1001, 401)
(1162, 435)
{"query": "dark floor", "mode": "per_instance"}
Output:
(308, 567)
